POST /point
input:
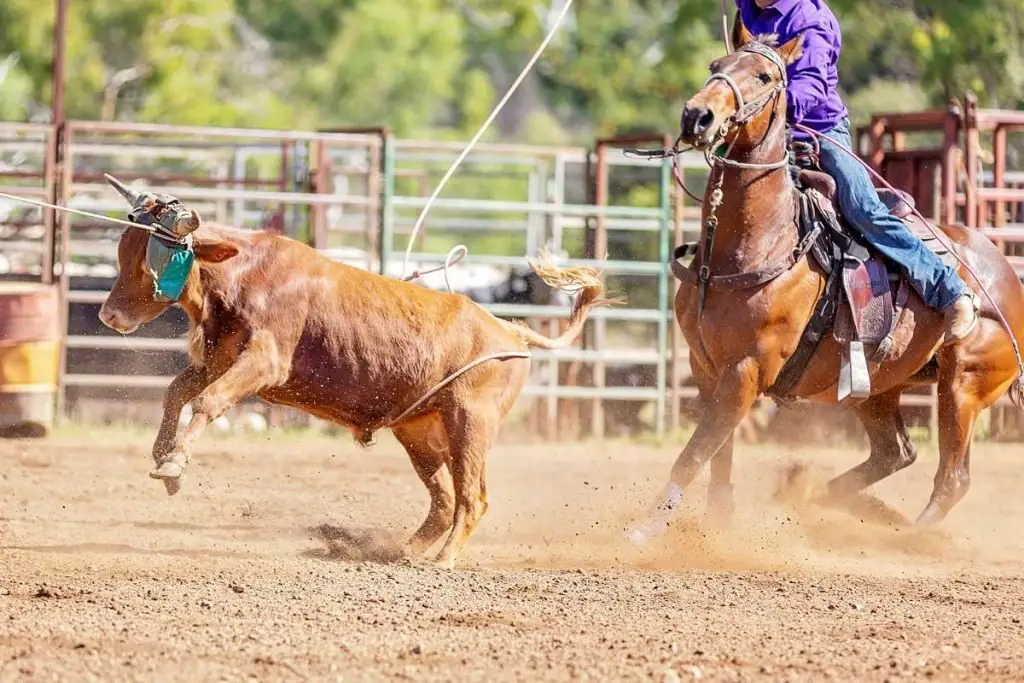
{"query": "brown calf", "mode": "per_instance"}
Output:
(274, 318)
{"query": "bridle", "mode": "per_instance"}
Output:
(745, 111)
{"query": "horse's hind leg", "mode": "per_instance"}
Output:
(959, 407)
(891, 446)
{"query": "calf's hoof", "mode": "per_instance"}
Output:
(167, 470)
(172, 486)
(441, 562)
(169, 473)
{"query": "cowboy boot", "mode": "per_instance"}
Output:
(962, 318)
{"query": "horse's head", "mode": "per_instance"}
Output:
(743, 93)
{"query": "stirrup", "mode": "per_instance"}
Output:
(854, 378)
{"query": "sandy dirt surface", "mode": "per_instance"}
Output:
(103, 577)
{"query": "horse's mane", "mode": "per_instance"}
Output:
(769, 39)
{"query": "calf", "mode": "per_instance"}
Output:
(274, 318)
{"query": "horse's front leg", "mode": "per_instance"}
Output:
(720, 500)
(734, 393)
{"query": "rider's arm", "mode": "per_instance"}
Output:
(808, 76)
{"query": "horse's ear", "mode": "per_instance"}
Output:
(793, 50)
(740, 35)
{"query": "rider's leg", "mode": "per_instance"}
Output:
(936, 283)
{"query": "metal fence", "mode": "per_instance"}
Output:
(355, 195)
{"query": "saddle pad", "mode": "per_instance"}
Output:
(868, 302)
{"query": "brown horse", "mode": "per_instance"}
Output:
(744, 306)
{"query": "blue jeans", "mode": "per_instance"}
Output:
(938, 284)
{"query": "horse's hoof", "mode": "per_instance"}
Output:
(636, 536)
(931, 516)
(718, 519)
(649, 530)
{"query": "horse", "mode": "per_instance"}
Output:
(766, 285)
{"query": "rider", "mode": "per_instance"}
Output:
(812, 99)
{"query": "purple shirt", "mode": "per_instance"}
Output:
(812, 97)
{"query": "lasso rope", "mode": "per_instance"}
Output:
(451, 258)
(486, 124)
(88, 214)
(877, 176)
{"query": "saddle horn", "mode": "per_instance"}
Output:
(131, 196)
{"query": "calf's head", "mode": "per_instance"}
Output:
(154, 273)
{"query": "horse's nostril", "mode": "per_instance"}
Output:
(707, 118)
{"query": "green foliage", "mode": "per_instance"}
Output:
(435, 67)
(380, 69)
(174, 61)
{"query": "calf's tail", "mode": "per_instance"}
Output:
(591, 294)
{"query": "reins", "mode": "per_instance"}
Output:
(745, 111)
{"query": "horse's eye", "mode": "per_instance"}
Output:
(764, 77)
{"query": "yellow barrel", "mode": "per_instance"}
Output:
(29, 356)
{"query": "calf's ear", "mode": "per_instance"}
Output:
(214, 251)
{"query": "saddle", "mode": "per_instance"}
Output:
(865, 293)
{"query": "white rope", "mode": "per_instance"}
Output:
(479, 133)
(726, 38)
(89, 214)
(450, 378)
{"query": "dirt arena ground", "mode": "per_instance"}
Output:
(104, 578)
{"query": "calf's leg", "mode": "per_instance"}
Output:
(182, 390)
(255, 368)
(425, 442)
(471, 429)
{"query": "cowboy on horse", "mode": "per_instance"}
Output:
(778, 292)
(812, 99)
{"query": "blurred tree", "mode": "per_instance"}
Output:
(393, 62)
(175, 61)
(437, 66)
